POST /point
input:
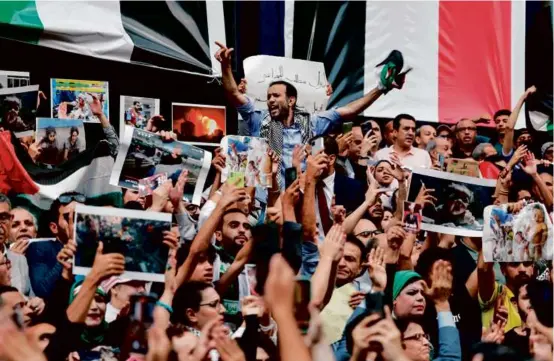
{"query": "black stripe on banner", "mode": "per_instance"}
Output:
(338, 42)
(152, 25)
(538, 57)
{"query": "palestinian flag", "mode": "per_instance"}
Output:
(35, 187)
(170, 34)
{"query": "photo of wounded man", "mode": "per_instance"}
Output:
(140, 241)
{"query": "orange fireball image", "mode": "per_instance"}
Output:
(199, 124)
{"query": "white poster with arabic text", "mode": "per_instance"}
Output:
(308, 77)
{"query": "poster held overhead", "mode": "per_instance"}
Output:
(136, 112)
(308, 77)
(143, 154)
(19, 107)
(71, 99)
(137, 235)
(247, 161)
(199, 124)
(517, 236)
(460, 201)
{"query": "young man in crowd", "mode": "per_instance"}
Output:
(44, 269)
(404, 126)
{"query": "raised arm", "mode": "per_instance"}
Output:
(370, 198)
(530, 167)
(232, 92)
(235, 269)
(323, 280)
(352, 109)
(314, 167)
(509, 134)
(104, 265)
(485, 278)
(279, 296)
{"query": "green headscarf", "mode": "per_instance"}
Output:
(401, 279)
(91, 336)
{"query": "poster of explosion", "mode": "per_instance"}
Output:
(199, 124)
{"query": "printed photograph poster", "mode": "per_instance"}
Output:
(460, 203)
(143, 154)
(412, 217)
(517, 236)
(136, 111)
(137, 235)
(247, 161)
(308, 77)
(59, 140)
(199, 124)
(14, 79)
(19, 108)
(71, 98)
(466, 167)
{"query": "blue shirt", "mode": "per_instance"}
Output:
(251, 125)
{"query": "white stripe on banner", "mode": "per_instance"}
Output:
(75, 27)
(216, 30)
(518, 57)
(289, 27)
(412, 28)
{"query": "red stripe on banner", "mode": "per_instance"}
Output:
(474, 58)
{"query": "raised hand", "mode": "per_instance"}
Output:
(159, 345)
(65, 257)
(223, 55)
(275, 160)
(20, 246)
(440, 287)
(333, 245)
(532, 89)
(344, 141)
(494, 334)
(279, 286)
(106, 265)
(315, 165)
(160, 196)
(376, 268)
(227, 347)
(231, 195)
(338, 212)
(425, 197)
(218, 162)
(252, 305)
(530, 164)
(298, 155)
(395, 234)
(369, 144)
(175, 194)
(96, 106)
(243, 86)
(292, 194)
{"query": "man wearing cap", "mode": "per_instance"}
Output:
(120, 290)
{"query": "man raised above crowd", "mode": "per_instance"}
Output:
(283, 124)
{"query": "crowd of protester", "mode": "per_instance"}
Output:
(376, 291)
